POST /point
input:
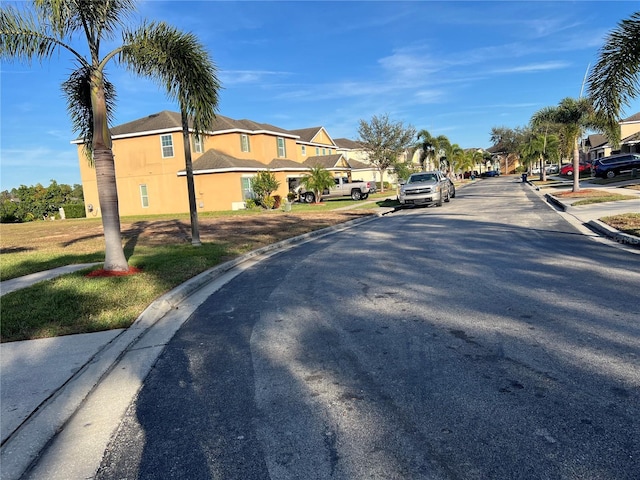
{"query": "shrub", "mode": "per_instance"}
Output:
(74, 210)
(250, 204)
(277, 201)
(263, 185)
(268, 202)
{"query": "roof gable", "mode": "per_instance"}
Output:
(314, 135)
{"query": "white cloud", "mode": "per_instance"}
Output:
(236, 77)
(533, 67)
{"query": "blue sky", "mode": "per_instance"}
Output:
(454, 68)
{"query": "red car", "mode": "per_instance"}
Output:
(568, 169)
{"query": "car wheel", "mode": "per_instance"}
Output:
(453, 195)
(447, 198)
(356, 195)
(611, 174)
(309, 197)
(365, 196)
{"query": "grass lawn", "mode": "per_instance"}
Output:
(627, 223)
(159, 246)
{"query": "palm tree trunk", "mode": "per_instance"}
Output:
(106, 179)
(576, 165)
(108, 197)
(193, 211)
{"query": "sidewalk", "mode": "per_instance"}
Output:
(586, 217)
(62, 398)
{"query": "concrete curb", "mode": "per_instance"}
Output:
(554, 201)
(596, 225)
(25, 446)
(612, 233)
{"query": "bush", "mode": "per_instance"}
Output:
(250, 204)
(74, 210)
(263, 184)
(277, 201)
(268, 202)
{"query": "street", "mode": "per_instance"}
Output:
(484, 339)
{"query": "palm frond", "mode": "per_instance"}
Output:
(180, 63)
(614, 80)
(22, 38)
(77, 90)
(97, 18)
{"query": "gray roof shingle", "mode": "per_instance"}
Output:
(324, 161)
(346, 143)
(167, 120)
(306, 134)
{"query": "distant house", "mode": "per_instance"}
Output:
(598, 145)
(150, 163)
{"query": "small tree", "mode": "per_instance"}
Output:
(263, 185)
(508, 141)
(384, 141)
(318, 180)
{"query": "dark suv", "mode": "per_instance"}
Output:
(609, 167)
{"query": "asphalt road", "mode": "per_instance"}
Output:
(485, 339)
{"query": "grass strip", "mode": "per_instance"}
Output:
(75, 303)
(614, 197)
(628, 223)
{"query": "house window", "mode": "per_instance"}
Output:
(317, 151)
(247, 188)
(167, 146)
(304, 150)
(281, 150)
(144, 196)
(244, 143)
(197, 144)
(324, 152)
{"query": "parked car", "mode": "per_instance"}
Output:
(425, 188)
(470, 174)
(357, 190)
(452, 187)
(552, 168)
(568, 168)
(491, 173)
(609, 167)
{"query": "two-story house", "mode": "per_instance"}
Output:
(150, 163)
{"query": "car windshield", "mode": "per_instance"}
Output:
(425, 177)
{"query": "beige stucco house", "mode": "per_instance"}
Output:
(150, 163)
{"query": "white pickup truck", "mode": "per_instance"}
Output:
(358, 190)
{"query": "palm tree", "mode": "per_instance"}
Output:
(573, 116)
(176, 60)
(318, 180)
(455, 158)
(537, 147)
(426, 144)
(613, 82)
